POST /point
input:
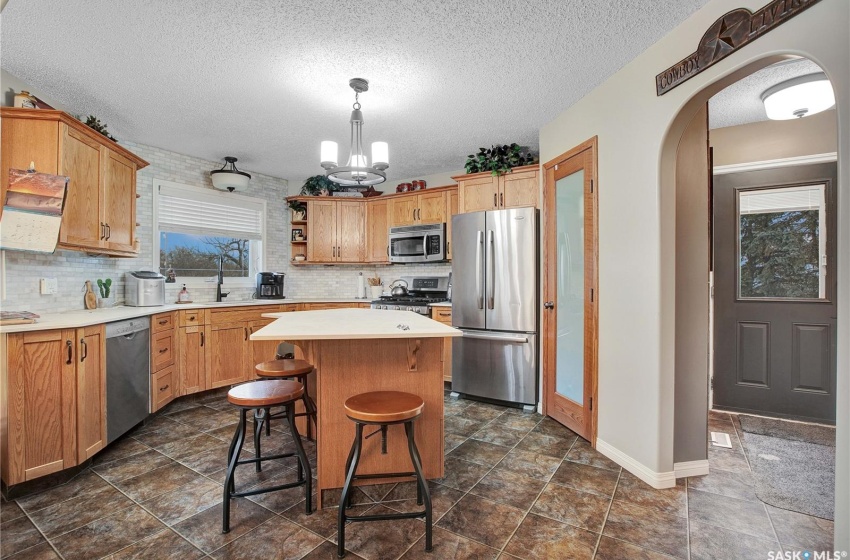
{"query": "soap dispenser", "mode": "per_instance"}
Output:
(183, 296)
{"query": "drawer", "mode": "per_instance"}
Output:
(162, 350)
(163, 321)
(162, 388)
(189, 317)
(442, 314)
(240, 314)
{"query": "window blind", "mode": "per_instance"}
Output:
(809, 197)
(197, 212)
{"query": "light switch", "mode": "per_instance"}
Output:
(48, 286)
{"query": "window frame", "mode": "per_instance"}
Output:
(256, 264)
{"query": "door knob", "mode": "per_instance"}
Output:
(549, 305)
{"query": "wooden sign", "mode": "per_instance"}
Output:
(726, 35)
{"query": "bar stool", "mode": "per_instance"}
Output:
(285, 368)
(264, 394)
(383, 408)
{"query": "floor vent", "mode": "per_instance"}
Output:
(721, 439)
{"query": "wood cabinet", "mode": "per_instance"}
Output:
(191, 361)
(444, 315)
(227, 355)
(100, 207)
(484, 191)
(260, 351)
(337, 232)
(377, 231)
(425, 208)
(451, 210)
(54, 401)
(164, 380)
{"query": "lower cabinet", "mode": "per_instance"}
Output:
(53, 401)
(260, 350)
(163, 388)
(191, 361)
(444, 315)
(228, 355)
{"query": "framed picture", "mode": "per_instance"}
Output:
(297, 234)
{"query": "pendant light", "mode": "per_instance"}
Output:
(798, 97)
(357, 172)
(229, 178)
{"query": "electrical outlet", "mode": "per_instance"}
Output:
(48, 286)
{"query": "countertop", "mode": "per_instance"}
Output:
(86, 317)
(348, 324)
(441, 304)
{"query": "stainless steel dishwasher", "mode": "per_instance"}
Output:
(128, 375)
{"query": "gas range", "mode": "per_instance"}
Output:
(423, 290)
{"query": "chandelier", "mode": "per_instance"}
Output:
(357, 172)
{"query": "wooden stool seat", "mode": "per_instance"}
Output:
(265, 393)
(384, 407)
(284, 368)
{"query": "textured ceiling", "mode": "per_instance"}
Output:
(741, 102)
(266, 80)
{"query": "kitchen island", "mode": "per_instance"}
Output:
(360, 350)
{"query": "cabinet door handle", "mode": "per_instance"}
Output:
(164, 388)
(163, 350)
(108, 232)
(502, 199)
(448, 247)
(246, 333)
(202, 338)
(84, 350)
(495, 200)
(70, 346)
(549, 305)
(102, 230)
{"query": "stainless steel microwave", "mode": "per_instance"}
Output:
(414, 244)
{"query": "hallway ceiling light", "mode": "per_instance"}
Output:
(230, 179)
(798, 97)
(357, 172)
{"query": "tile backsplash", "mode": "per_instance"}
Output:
(22, 271)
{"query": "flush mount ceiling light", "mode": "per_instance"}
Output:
(230, 178)
(798, 97)
(357, 172)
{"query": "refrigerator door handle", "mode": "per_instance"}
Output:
(479, 264)
(491, 259)
(496, 337)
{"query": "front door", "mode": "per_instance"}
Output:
(570, 302)
(775, 288)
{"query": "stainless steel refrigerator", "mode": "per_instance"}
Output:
(494, 303)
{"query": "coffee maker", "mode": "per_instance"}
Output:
(270, 285)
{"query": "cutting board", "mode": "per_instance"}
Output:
(90, 299)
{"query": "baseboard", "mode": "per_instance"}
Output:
(690, 468)
(657, 480)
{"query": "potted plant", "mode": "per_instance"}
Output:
(317, 185)
(105, 287)
(498, 159)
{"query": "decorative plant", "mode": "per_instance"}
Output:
(498, 159)
(317, 185)
(95, 124)
(105, 287)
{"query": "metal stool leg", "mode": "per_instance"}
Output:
(308, 408)
(229, 484)
(422, 483)
(258, 431)
(347, 488)
(302, 457)
(268, 421)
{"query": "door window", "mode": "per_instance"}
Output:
(782, 243)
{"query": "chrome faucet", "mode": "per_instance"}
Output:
(218, 293)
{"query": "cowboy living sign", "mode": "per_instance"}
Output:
(726, 35)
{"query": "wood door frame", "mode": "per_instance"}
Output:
(591, 280)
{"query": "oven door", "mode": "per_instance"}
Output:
(417, 246)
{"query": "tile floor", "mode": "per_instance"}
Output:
(517, 486)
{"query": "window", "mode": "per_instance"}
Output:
(194, 226)
(782, 243)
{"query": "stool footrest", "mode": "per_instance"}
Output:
(386, 517)
(385, 475)
(266, 458)
(270, 489)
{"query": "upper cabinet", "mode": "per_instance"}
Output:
(100, 208)
(484, 191)
(337, 231)
(412, 209)
(377, 231)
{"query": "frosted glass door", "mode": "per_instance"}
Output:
(569, 201)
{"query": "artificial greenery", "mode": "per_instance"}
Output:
(313, 186)
(104, 286)
(95, 124)
(498, 159)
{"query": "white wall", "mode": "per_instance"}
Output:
(637, 223)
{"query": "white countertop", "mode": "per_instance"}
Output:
(86, 317)
(348, 324)
(441, 304)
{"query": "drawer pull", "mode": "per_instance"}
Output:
(163, 350)
(445, 314)
(163, 322)
(191, 317)
(164, 388)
